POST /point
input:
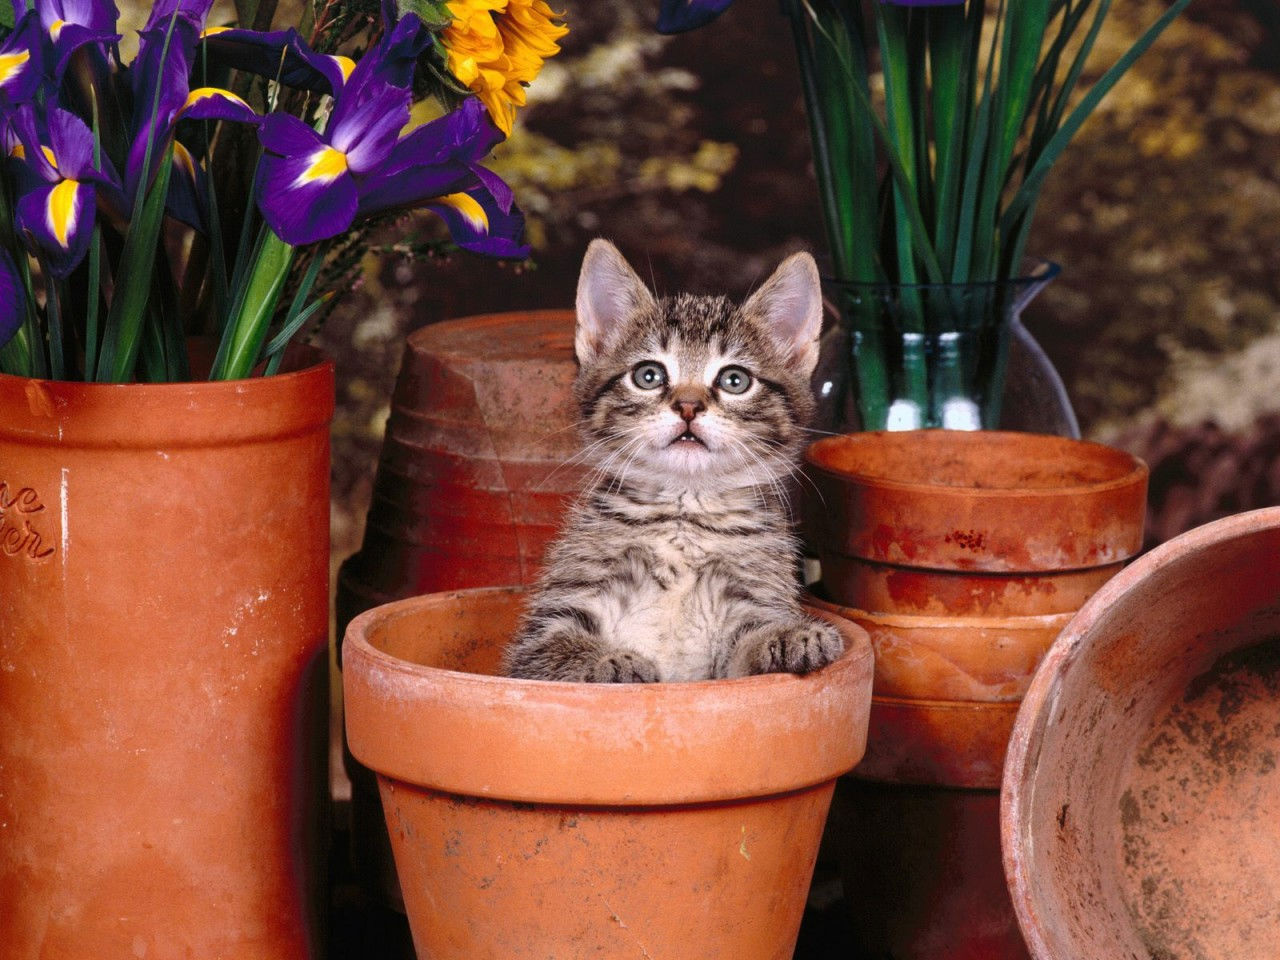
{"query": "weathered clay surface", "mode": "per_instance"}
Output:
(985, 501)
(1207, 771)
(477, 465)
(163, 653)
(1140, 811)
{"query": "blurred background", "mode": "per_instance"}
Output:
(691, 153)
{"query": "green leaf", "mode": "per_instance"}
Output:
(246, 329)
(1030, 188)
(122, 331)
(275, 349)
(434, 13)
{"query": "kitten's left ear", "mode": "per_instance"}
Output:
(790, 307)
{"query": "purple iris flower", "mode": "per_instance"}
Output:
(69, 25)
(437, 166)
(308, 184)
(677, 16)
(165, 67)
(22, 60)
(58, 186)
(195, 12)
(12, 301)
(311, 187)
(284, 55)
(279, 54)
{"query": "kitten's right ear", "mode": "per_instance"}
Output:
(609, 293)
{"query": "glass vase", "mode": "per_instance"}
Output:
(950, 355)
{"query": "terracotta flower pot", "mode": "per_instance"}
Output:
(1141, 801)
(569, 820)
(163, 652)
(475, 474)
(472, 481)
(963, 555)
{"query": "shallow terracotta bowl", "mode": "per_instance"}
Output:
(1141, 795)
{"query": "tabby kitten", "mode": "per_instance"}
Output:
(678, 562)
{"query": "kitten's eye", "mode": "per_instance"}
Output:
(734, 380)
(649, 375)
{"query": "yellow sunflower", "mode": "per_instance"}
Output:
(497, 47)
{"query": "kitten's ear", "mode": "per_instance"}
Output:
(790, 307)
(609, 293)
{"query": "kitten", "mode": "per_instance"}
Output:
(678, 562)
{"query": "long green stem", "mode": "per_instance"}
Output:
(246, 329)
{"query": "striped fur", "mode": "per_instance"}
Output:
(678, 562)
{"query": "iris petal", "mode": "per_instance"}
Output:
(21, 60)
(300, 209)
(677, 16)
(498, 234)
(367, 133)
(287, 135)
(214, 103)
(58, 219)
(278, 53)
(72, 143)
(188, 192)
(12, 300)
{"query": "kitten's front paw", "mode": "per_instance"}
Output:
(797, 648)
(622, 668)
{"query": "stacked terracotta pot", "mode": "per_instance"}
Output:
(477, 468)
(963, 555)
(477, 465)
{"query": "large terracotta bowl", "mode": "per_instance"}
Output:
(1141, 797)
(545, 819)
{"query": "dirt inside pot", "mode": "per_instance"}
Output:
(1208, 772)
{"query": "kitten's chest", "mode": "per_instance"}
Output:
(677, 616)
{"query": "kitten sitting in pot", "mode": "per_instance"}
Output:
(678, 562)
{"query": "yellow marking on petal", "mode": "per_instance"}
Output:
(48, 155)
(62, 211)
(212, 31)
(55, 29)
(11, 64)
(470, 209)
(345, 64)
(207, 93)
(327, 164)
(182, 156)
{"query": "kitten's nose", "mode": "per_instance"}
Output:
(688, 402)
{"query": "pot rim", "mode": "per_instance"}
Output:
(1037, 622)
(638, 744)
(1136, 473)
(1040, 701)
(191, 413)
(978, 706)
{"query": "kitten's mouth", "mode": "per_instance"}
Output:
(688, 437)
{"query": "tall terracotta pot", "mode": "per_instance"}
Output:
(163, 652)
(540, 819)
(963, 554)
(475, 474)
(1141, 799)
